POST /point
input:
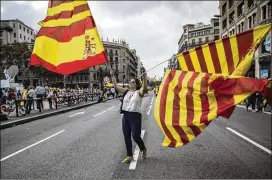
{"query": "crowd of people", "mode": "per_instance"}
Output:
(27, 95)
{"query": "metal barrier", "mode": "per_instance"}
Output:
(76, 99)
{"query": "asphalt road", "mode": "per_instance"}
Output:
(88, 143)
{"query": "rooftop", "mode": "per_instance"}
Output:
(16, 20)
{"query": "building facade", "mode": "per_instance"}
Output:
(14, 30)
(239, 16)
(197, 34)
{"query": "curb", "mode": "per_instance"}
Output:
(33, 118)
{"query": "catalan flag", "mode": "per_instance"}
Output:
(188, 101)
(68, 40)
(225, 55)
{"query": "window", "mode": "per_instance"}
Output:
(263, 12)
(200, 40)
(1, 33)
(240, 10)
(208, 31)
(269, 6)
(116, 53)
(185, 37)
(14, 25)
(14, 35)
(20, 35)
(24, 28)
(24, 37)
(242, 26)
(231, 18)
(216, 37)
(193, 41)
(224, 9)
(254, 19)
(204, 32)
(198, 33)
(207, 39)
(239, 28)
(15, 41)
(185, 30)
(116, 59)
(216, 24)
(31, 32)
(249, 22)
(250, 3)
(231, 2)
(20, 26)
(27, 30)
(216, 31)
(224, 23)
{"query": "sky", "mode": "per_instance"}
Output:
(153, 28)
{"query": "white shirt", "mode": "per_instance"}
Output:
(132, 102)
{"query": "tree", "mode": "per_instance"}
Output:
(14, 54)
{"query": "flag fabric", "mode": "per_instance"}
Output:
(188, 101)
(68, 40)
(225, 55)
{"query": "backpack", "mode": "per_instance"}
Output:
(122, 99)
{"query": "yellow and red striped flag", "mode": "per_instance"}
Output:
(68, 40)
(188, 101)
(225, 55)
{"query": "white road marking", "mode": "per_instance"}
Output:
(249, 140)
(148, 112)
(99, 113)
(13, 154)
(133, 164)
(111, 108)
(251, 109)
(77, 114)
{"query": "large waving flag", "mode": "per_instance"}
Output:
(188, 101)
(224, 55)
(68, 40)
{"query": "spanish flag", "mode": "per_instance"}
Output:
(188, 101)
(224, 55)
(68, 40)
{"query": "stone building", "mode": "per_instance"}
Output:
(239, 16)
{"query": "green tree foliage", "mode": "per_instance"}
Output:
(14, 54)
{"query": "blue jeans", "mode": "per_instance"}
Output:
(131, 124)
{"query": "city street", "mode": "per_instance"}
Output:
(88, 143)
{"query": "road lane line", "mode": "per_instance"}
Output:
(249, 140)
(148, 112)
(99, 113)
(13, 154)
(251, 109)
(77, 114)
(111, 108)
(133, 164)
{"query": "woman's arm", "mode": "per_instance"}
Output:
(118, 88)
(143, 88)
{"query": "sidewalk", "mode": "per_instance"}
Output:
(35, 114)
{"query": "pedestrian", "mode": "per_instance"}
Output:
(113, 92)
(132, 118)
(252, 102)
(39, 94)
(50, 96)
(30, 99)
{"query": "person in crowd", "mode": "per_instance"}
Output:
(39, 94)
(50, 96)
(30, 99)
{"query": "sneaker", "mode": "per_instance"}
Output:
(143, 153)
(128, 159)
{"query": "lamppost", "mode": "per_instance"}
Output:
(123, 79)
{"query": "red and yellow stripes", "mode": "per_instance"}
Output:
(60, 45)
(188, 101)
(224, 55)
